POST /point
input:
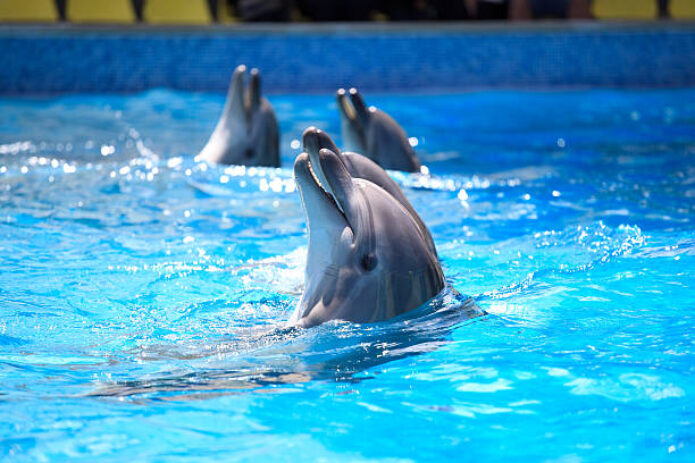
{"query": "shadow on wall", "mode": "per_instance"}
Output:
(233, 11)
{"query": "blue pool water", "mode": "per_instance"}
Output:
(142, 293)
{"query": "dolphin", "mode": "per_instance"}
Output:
(368, 259)
(313, 140)
(374, 133)
(247, 132)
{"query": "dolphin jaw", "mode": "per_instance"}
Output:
(317, 197)
(325, 189)
(347, 109)
(320, 179)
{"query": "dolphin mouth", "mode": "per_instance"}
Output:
(326, 189)
(247, 95)
(314, 140)
(348, 102)
(304, 163)
(346, 107)
(354, 116)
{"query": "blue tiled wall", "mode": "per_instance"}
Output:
(305, 59)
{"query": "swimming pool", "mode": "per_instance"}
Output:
(141, 291)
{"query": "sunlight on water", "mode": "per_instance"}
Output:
(144, 293)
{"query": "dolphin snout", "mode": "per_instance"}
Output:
(310, 139)
(314, 139)
(338, 179)
(344, 105)
(302, 171)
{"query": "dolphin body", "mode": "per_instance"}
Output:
(247, 132)
(374, 133)
(368, 258)
(313, 140)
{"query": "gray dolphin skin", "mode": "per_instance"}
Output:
(368, 259)
(313, 140)
(374, 134)
(247, 132)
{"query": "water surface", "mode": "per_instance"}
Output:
(142, 294)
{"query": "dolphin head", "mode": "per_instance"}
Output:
(374, 133)
(313, 140)
(247, 132)
(367, 259)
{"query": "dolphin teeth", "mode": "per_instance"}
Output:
(316, 177)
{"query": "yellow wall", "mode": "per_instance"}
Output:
(91, 11)
(625, 9)
(28, 10)
(683, 9)
(176, 12)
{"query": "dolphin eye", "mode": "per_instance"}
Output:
(249, 153)
(368, 262)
